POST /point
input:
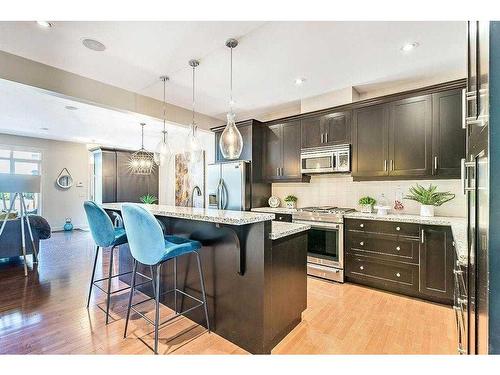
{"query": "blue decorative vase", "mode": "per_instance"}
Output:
(68, 226)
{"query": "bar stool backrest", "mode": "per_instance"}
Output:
(144, 234)
(100, 224)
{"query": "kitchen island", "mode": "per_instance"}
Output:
(243, 269)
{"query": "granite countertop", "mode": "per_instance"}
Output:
(458, 226)
(201, 214)
(282, 229)
(277, 210)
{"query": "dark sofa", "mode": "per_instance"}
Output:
(10, 240)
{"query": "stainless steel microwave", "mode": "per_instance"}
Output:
(327, 159)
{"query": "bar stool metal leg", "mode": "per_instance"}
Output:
(175, 285)
(157, 306)
(110, 273)
(93, 275)
(132, 287)
(202, 282)
(153, 280)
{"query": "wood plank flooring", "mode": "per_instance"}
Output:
(45, 313)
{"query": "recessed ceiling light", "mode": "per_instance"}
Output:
(299, 81)
(45, 24)
(44, 128)
(94, 45)
(71, 108)
(409, 46)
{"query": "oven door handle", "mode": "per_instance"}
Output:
(316, 225)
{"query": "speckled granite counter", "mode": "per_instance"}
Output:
(281, 229)
(458, 226)
(277, 210)
(201, 214)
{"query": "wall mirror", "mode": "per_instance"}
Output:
(64, 180)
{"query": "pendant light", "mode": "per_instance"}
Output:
(231, 142)
(163, 151)
(193, 146)
(142, 161)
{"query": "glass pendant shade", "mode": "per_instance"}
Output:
(193, 145)
(231, 141)
(163, 152)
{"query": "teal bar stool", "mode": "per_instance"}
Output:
(150, 247)
(105, 235)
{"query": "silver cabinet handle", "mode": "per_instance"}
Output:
(398, 274)
(385, 165)
(398, 248)
(423, 236)
(281, 171)
(435, 163)
(326, 137)
(392, 165)
(322, 137)
(464, 109)
(361, 268)
(462, 174)
(361, 225)
(277, 171)
(398, 229)
(361, 243)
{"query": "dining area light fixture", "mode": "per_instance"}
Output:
(142, 162)
(163, 152)
(193, 146)
(231, 141)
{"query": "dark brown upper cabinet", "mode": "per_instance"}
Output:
(448, 135)
(329, 129)
(414, 137)
(370, 132)
(410, 132)
(282, 152)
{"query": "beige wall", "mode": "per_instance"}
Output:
(58, 204)
(342, 191)
(62, 83)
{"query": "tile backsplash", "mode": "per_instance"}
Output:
(342, 191)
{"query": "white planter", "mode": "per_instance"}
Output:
(366, 208)
(426, 210)
(291, 205)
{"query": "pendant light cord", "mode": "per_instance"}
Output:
(142, 136)
(193, 98)
(164, 109)
(231, 83)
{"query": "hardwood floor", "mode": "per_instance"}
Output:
(45, 313)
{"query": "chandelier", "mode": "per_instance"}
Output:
(142, 162)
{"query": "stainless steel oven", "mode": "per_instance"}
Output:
(328, 159)
(325, 250)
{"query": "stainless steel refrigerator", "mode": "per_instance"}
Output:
(229, 186)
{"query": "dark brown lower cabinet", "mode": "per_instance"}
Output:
(406, 258)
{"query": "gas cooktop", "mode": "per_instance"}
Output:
(329, 214)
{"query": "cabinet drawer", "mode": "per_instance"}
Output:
(384, 274)
(283, 217)
(384, 247)
(386, 227)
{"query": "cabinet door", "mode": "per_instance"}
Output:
(273, 152)
(291, 168)
(410, 132)
(448, 136)
(246, 152)
(108, 176)
(370, 137)
(436, 262)
(312, 132)
(337, 128)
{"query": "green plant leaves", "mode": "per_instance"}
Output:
(429, 196)
(148, 199)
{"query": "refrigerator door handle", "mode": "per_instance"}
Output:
(225, 195)
(218, 195)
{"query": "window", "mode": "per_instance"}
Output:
(19, 161)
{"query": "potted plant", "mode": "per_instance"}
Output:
(428, 198)
(291, 201)
(148, 199)
(366, 204)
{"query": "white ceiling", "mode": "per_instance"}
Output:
(26, 110)
(330, 55)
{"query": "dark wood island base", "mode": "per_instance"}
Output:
(256, 288)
